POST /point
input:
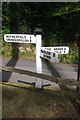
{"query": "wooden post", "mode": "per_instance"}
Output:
(78, 72)
(39, 82)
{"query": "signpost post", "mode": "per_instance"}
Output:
(38, 36)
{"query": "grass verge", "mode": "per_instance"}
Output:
(24, 101)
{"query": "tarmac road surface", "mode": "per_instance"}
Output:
(67, 71)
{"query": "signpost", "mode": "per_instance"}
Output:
(49, 53)
(35, 39)
(57, 49)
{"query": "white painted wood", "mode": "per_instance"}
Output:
(19, 38)
(57, 49)
(39, 82)
(51, 56)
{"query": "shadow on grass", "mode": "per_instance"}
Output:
(31, 102)
(73, 97)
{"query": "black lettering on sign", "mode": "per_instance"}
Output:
(48, 49)
(60, 51)
(26, 40)
(30, 38)
(64, 48)
(53, 54)
(41, 51)
(48, 53)
(13, 36)
(21, 36)
(7, 36)
(49, 57)
(58, 48)
(44, 56)
(17, 36)
(24, 36)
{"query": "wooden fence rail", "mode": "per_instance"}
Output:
(57, 80)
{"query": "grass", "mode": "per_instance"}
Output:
(71, 57)
(24, 101)
(6, 51)
(27, 55)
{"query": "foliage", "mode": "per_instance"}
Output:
(59, 21)
(5, 18)
(71, 57)
(67, 9)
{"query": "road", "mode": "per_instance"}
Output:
(58, 70)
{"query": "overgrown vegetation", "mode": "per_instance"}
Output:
(23, 101)
(71, 57)
(29, 53)
(59, 22)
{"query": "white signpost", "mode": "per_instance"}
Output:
(39, 82)
(51, 56)
(57, 49)
(19, 38)
(49, 53)
(29, 38)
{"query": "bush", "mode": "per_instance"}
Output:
(71, 57)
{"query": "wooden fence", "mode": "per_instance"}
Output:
(65, 82)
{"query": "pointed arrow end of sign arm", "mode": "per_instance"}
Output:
(5, 38)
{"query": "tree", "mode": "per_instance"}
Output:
(59, 21)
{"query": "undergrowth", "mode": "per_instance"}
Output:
(70, 58)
